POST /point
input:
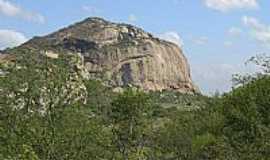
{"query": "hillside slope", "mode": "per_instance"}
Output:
(121, 55)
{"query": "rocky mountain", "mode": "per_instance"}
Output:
(120, 55)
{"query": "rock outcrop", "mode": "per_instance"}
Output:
(121, 55)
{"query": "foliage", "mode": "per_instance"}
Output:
(130, 118)
(247, 119)
(35, 82)
(261, 62)
(39, 121)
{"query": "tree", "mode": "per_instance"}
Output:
(35, 79)
(262, 64)
(130, 120)
(246, 113)
(34, 89)
(247, 123)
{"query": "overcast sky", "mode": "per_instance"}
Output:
(216, 35)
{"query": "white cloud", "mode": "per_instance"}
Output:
(253, 23)
(172, 37)
(213, 77)
(9, 9)
(90, 9)
(234, 31)
(132, 18)
(258, 30)
(200, 40)
(228, 43)
(226, 5)
(10, 38)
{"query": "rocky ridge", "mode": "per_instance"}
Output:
(121, 55)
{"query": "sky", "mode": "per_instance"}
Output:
(217, 36)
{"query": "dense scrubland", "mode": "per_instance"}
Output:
(48, 111)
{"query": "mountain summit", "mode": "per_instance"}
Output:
(121, 55)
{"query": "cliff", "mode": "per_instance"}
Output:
(121, 55)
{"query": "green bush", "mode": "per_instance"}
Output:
(247, 119)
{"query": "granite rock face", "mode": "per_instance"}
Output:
(121, 55)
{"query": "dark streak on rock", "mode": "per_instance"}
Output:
(126, 74)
